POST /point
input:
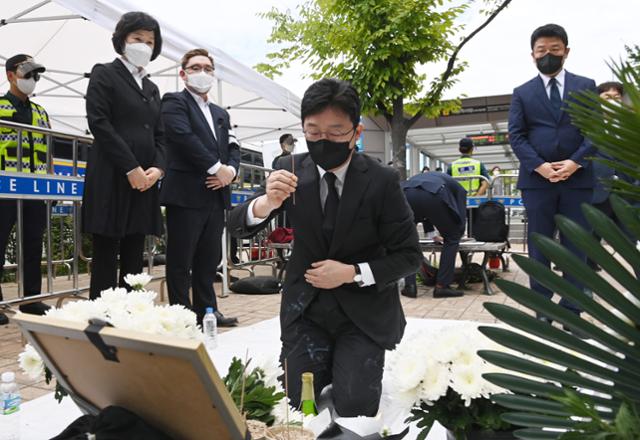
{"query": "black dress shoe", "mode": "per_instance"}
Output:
(446, 292)
(223, 321)
(4, 320)
(410, 291)
(36, 308)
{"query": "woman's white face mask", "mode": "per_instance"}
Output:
(201, 82)
(138, 54)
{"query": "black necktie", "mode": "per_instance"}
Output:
(330, 207)
(554, 96)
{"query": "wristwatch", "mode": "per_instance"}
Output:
(358, 276)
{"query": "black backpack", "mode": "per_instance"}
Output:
(489, 223)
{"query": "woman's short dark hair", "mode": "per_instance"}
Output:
(606, 86)
(331, 92)
(550, 31)
(136, 21)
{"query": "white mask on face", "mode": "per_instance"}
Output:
(138, 54)
(201, 82)
(26, 86)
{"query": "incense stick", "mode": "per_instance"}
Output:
(293, 171)
(244, 377)
(286, 394)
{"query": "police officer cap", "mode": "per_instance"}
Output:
(23, 62)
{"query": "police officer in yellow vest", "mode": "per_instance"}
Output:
(23, 73)
(467, 166)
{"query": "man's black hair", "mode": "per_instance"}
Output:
(331, 92)
(605, 86)
(284, 137)
(550, 30)
(466, 145)
(136, 21)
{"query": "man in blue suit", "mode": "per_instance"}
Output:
(440, 200)
(555, 171)
(203, 159)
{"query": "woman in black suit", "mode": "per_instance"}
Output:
(120, 204)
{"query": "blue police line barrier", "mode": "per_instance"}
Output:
(507, 201)
(40, 186)
(56, 187)
(62, 210)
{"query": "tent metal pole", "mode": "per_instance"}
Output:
(82, 130)
(166, 69)
(55, 81)
(244, 103)
(32, 8)
(39, 19)
(50, 95)
(269, 132)
(63, 84)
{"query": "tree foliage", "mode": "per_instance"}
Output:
(381, 47)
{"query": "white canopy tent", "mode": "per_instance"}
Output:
(62, 35)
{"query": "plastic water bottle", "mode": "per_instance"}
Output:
(210, 329)
(10, 411)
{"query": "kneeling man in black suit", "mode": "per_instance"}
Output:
(354, 238)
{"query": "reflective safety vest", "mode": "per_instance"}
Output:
(466, 166)
(34, 145)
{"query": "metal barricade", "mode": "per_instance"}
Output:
(49, 188)
(253, 252)
(504, 190)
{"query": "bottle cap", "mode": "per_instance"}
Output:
(307, 377)
(8, 376)
(209, 310)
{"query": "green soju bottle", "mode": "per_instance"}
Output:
(307, 399)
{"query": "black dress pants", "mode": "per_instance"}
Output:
(325, 342)
(194, 250)
(430, 207)
(34, 214)
(104, 262)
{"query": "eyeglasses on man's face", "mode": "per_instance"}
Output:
(197, 68)
(314, 134)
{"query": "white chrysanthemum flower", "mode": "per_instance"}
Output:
(279, 412)
(137, 281)
(467, 382)
(435, 382)
(78, 311)
(31, 362)
(270, 365)
(110, 296)
(407, 372)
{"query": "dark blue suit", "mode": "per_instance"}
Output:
(195, 214)
(540, 134)
(439, 199)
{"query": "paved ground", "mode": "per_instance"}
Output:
(251, 309)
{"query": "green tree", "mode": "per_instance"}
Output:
(380, 46)
(633, 54)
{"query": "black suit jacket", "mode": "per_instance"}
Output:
(125, 122)
(374, 225)
(446, 188)
(192, 150)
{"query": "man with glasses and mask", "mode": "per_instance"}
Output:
(555, 171)
(203, 159)
(23, 74)
(354, 238)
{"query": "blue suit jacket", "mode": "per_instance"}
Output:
(537, 135)
(446, 188)
(192, 149)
